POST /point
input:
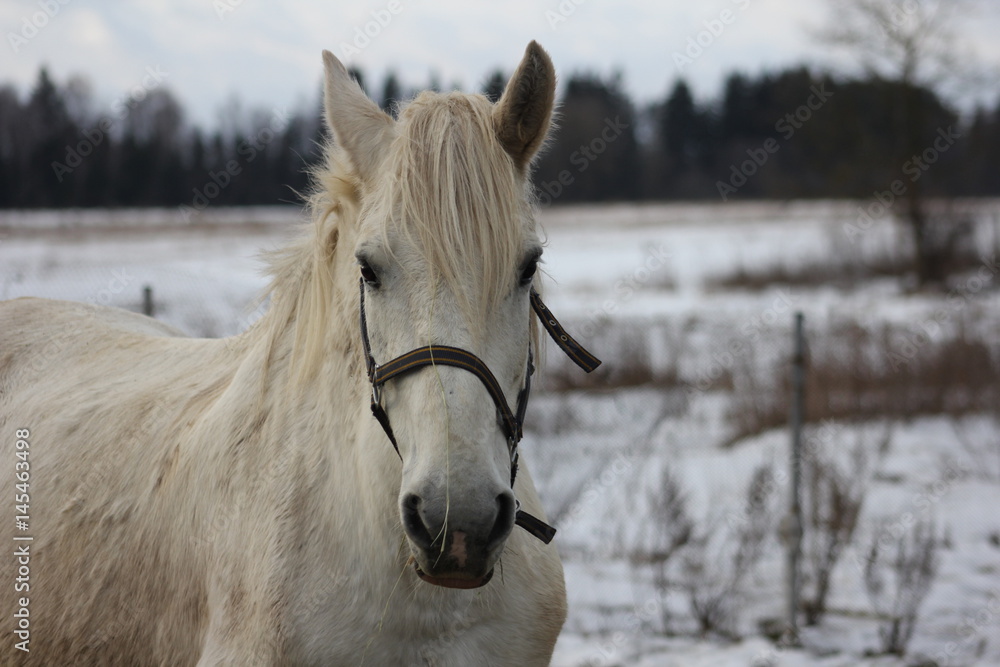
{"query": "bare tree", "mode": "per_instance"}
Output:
(910, 41)
(913, 44)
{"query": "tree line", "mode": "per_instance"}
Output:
(795, 133)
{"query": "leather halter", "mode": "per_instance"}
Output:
(511, 422)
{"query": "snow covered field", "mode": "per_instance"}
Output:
(631, 281)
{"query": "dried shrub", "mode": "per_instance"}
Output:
(832, 497)
(856, 373)
(669, 529)
(759, 403)
(949, 245)
(718, 564)
(628, 361)
(898, 575)
(896, 373)
(984, 453)
(837, 270)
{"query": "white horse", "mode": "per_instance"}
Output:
(234, 502)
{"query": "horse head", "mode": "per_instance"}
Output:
(447, 251)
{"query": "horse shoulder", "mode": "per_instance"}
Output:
(128, 392)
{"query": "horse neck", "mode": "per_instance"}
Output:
(323, 410)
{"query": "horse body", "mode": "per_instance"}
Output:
(233, 501)
(105, 405)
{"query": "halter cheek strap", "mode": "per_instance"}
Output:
(576, 352)
(511, 422)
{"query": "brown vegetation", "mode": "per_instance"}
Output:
(858, 373)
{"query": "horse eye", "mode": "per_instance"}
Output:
(528, 272)
(368, 274)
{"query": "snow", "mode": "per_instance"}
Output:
(620, 278)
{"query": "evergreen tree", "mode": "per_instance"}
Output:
(358, 76)
(595, 155)
(494, 86)
(392, 93)
(52, 139)
(681, 128)
(828, 138)
(686, 136)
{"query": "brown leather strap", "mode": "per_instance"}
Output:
(580, 356)
(383, 420)
(510, 421)
(444, 355)
(534, 526)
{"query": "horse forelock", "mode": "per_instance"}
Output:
(457, 198)
(447, 187)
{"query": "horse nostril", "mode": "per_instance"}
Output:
(505, 520)
(411, 502)
(414, 523)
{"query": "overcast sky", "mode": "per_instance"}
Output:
(268, 55)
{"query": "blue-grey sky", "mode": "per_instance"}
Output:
(268, 55)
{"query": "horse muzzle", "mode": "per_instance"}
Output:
(454, 579)
(457, 549)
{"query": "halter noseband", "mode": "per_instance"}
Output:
(511, 422)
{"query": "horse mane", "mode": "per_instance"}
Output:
(459, 196)
(450, 188)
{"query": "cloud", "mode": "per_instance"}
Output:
(268, 54)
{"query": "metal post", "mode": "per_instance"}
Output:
(795, 527)
(147, 300)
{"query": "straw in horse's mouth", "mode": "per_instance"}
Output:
(454, 582)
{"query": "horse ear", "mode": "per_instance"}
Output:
(523, 114)
(358, 125)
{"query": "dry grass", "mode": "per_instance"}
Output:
(857, 374)
(627, 360)
(835, 270)
(846, 267)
